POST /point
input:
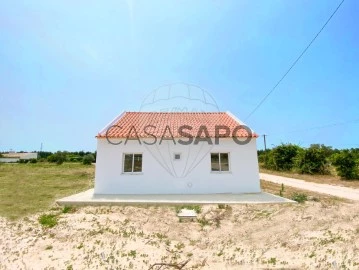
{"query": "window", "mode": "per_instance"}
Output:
(132, 163)
(219, 162)
(177, 156)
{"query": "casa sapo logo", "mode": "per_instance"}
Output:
(185, 135)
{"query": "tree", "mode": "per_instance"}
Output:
(261, 154)
(313, 160)
(43, 154)
(282, 157)
(327, 150)
(346, 164)
(88, 159)
(58, 157)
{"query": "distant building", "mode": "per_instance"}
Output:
(15, 157)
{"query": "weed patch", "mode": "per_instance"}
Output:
(48, 220)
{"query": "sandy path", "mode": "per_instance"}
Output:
(343, 192)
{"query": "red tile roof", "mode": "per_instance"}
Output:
(162, 123)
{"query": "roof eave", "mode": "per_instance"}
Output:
(103, 131)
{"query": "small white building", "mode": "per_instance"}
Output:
(13, 157)
(176, 153)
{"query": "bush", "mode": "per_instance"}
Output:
(226, 207)
(43, 154)
(23, 161)
(60, 161)
(299, 197)
(74, 158)
(313, 160)
(68, 209)
(48, 220)
(346, 165)
(58, 157)
(33, 160)
(52, 158)
(261, 155)
(88, 159)
(282, 157)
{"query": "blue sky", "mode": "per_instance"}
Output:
(69, 67)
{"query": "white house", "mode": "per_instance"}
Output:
(176, 153)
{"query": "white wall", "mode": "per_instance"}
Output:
(190, 175)
(9, 160)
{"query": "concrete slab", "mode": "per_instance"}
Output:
(187, 213)
(88, 198)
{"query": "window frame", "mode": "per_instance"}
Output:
(219, 162)
(133, 163)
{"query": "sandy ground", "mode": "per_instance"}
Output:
(342, 192)
(313, 235)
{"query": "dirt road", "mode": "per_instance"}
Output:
(342, 192)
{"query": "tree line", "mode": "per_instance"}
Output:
(316, 159)
(60, 157)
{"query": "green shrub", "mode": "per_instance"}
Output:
(60, 161)
(327, 150)
(224, 207)
(43, 154)
(52, 158)
(282, 157)
(58, 157)
(313, 160)
(346, 164)
(48, 220)
(88, 159)
(33, 160)
(68, 209)
(203, 222)
(74, 158)
(299, 197)
(262, 155)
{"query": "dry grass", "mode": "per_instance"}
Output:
(321, 179)
(29, 188)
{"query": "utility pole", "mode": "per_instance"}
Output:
(265, 142)
(41, 148)
(265, 149)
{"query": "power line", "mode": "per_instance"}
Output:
(294, 63)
